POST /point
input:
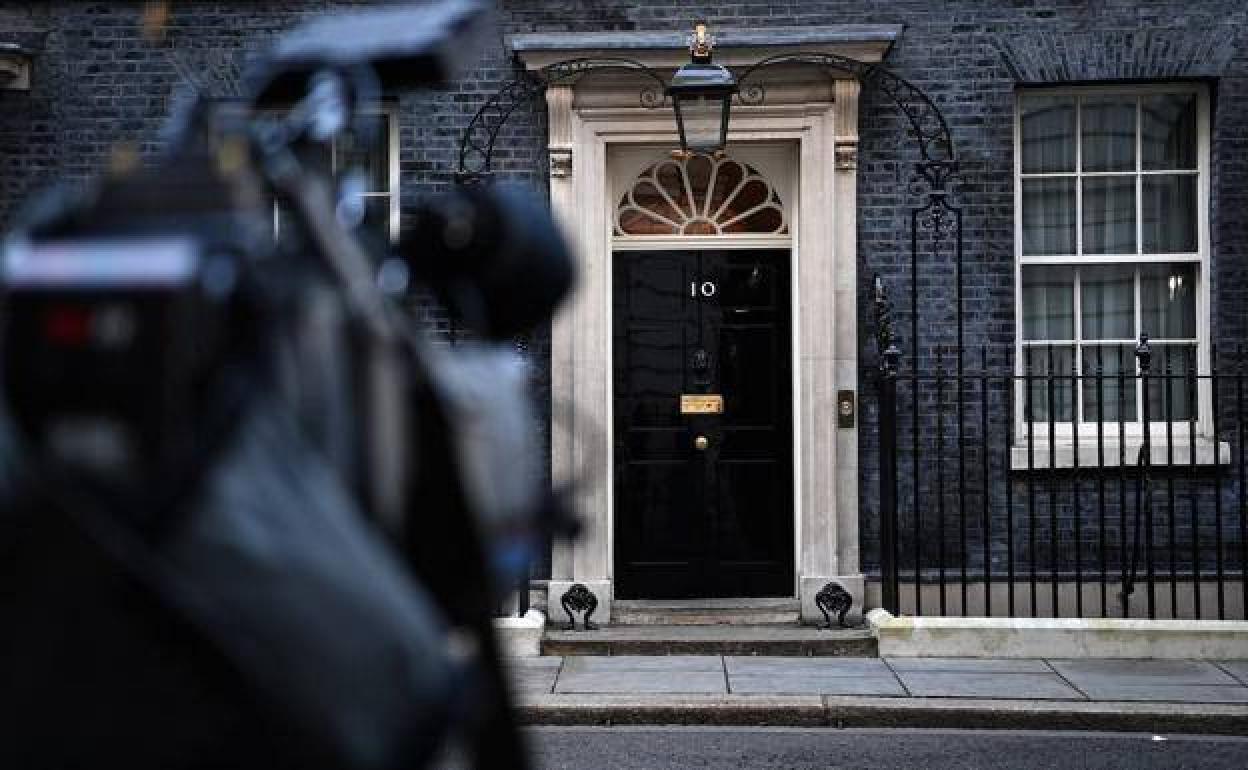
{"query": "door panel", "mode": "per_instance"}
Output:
(718, 521)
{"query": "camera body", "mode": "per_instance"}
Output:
(125, 309)
(253, 433)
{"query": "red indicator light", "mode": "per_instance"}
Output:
(68, 326)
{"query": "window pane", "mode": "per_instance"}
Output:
(1052, 390)
(1168, 131)
(1048, 216)
(1048, 132)
(1171, 368)
(1107, 397)
(372, 159)
(1107, 302)
(1169, 211)
(284, 222)
(1109, 215)
(377, 216)
(1168, 301)
(1107, 126)
(1048, 303)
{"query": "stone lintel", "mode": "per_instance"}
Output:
(733, 47)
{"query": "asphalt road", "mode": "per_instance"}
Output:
(795, 749)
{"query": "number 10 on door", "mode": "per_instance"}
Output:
(705, 289)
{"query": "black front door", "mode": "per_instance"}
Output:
(703, 486)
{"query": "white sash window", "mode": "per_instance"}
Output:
(1111, 241)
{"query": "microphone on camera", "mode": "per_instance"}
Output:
(492, 255)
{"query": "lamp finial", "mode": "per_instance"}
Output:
(701, 42)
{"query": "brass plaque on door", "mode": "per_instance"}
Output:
(701, 403)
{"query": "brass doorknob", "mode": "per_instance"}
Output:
(701, 443)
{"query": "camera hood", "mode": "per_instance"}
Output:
(407, 47)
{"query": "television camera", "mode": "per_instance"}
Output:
(253, 514)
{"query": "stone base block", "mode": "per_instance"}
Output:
(809, 586)
(1059, 637)
(558, 618)
(521, 637)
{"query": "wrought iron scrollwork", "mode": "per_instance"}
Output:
(833, 598)
(885, 339)
(476, 146)
(752, 93)
(579, 598)
(927, 125)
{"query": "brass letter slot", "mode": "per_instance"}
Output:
(698, 403)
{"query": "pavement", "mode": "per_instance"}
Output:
(1139, 695)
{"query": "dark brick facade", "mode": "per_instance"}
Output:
(96, 82)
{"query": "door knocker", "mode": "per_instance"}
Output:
(701, 363)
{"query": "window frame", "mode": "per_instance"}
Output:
(774, 160)
(389, 111)
(1087, 431)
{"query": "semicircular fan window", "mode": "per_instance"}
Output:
(700, 195)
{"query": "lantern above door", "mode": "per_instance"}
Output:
(701, 95)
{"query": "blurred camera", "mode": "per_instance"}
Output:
(256, 435)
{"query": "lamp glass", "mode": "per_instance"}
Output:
(702, 116)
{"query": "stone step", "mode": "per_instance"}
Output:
(705, 612)
(787, 639)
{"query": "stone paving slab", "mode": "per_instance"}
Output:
(657, 663)
(811, 676)
(642, 675)
(740, 664)
(966, 684)
(1236, 668)
(972, 665)
(1121, 681)
(533, 676)
(1167, 693)
(748, 684)
(1100, 673)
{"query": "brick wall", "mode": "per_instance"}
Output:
(96, 82)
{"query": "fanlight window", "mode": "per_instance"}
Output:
(700, 195)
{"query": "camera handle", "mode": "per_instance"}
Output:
(382, 394)
(386, 341)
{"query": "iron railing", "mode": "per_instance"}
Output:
(1033, 489)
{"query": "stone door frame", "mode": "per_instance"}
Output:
(820, 116)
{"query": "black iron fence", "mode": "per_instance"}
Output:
(1103, 481)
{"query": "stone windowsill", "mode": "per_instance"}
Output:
(1064, 453)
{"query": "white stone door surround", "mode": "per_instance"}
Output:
(818, 116)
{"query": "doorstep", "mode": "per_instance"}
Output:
(705, 612)
(787, 639)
